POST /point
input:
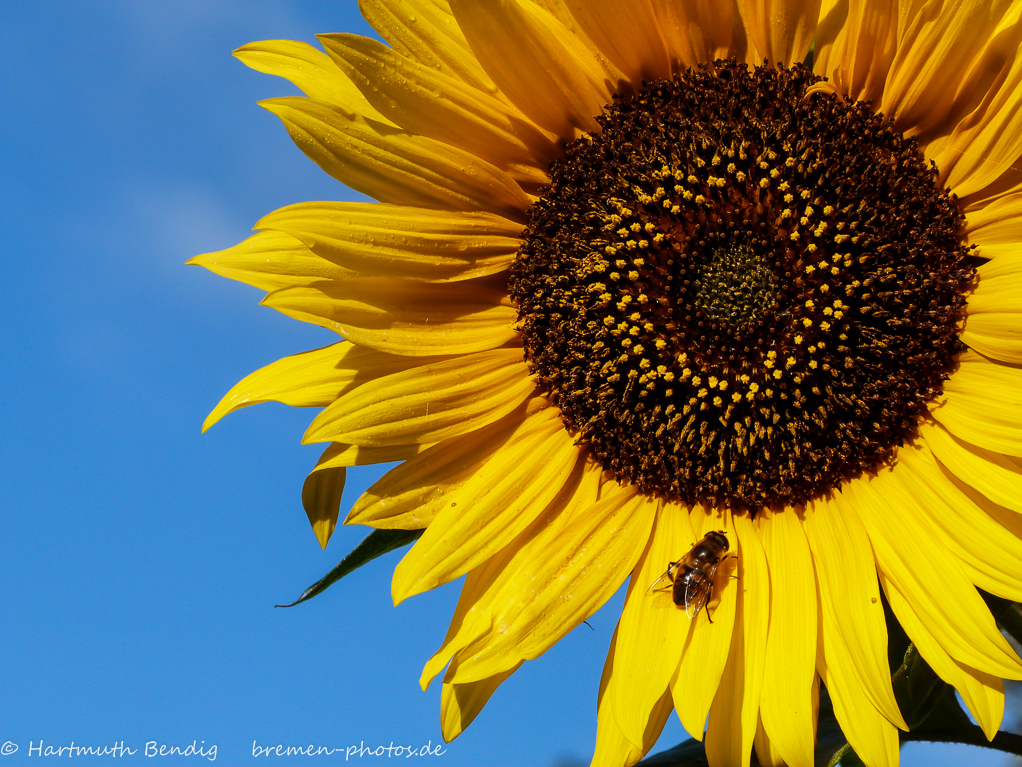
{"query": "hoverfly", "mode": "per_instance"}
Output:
(691, 577)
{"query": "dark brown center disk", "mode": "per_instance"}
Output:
(739, 294)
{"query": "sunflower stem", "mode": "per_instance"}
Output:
(835, 760)
(845, 757)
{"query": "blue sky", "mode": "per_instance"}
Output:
(141, 560)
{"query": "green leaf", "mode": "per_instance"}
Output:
(997, 605)
(374, 545)
(916, 688)
(927, 702)
(897, 640)
(1011, 621)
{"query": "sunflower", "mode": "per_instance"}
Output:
(637, 275)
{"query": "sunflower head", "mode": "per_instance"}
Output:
(742, 313)
(738, 293)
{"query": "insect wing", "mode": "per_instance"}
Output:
(696, 598)
(699, 591)
(667, 577)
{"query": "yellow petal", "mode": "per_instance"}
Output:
(321, 497)
(997, 476)
(997, 335)
(912, 558)
(430, 103)
(1006, 518)
(310, 379)
(473, 616)
(338, 454)
(990, 555)
(766, 752)
(706, 653)
(983, 693)
(947, 59)
(613, 749)
(426, 31)
(405, 317)
(1003, 267)
(559, 85)
(561, 11)
(409, 496)
(428, 403)
(993, 325)
(998, 286)
(461, 703)
(628, 34)
(589, 559)
(396, 166)
(271, 261)
(870, 733)
(492, 507)
(310, 70)
(652, 631)
(697, 31)
(982, 404)
(994, 226)
(851, 614)
(988, 140)
(781, 30)
(734, 714)
(786, 707)
(855, 45)
(399, 241)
